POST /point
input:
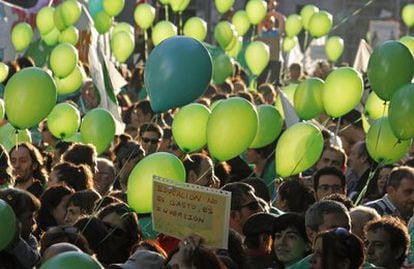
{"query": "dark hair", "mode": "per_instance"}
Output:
(210, 91)
(127, 149)
(81, 154)
(85, 200)
(49, 200)
(297, 195)
(217, 97)
(340, 198)
(328, 171)
(226, 87)
(338, 150)
(246, 95)
(260, 187)
(78, 177)
(291, 220)
(193, 163)
(363, 153)
(398, 174)
(265, 88)
(151, 245)
(150, 127)
(6, 175)
(25, 61)
(20, 201)
(61, 147)
(315, 214)
(353, 117)
(167, 133)
(239, 191)
(95, 231)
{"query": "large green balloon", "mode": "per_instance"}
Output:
(289, 43)
(382, 145)
(306, 13)
(375, 107)
(270, 126)
(58, 18)
(407, 15)
(113, 7)
(186, 69)
(401, 112)
(196, 28)
(224, 32)
(70, 83)
(8, 136)
(308, 98)
(7, 224)
(144, 15)
(69, 35)
(241, 22)
(21, 35)
(161, 164)
(409, 42)
(98, 128)
(4, 71)
(223, 5)
(293, 25)
(390, 66)
(123, 27)
(29, 96)
(231, 128)
(222, 68)
(103, 22)
(342, 92)
(44, 20)
(163, 30)
(63, 59)
(122, 46)
(256, 11)
(64, 120)
(257, 57)
(52, 37)
(298, 148)
(189, 127)
(334, 48)
(71, 11)
(320, 24)
(70, 260)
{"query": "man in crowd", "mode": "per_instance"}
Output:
(327, 181)
(200, 171)
(149, 135)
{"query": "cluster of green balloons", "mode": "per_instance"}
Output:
(7, 224)
(122, 41)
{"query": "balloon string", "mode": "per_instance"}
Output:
(305, 41)
(180, 23)
(166, 12)
(338, 124)
(370, 177)
(349, 125)
(16, 139)
(146, 44)
(354, 13)
(253, 33)
(325, 122)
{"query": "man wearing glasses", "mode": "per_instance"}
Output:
(327, 181)
(149, 136)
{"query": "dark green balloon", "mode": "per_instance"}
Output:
(222, 68)
(7, 224)
(177, 72)
(390, 66)
(71, 260)
(401, 112)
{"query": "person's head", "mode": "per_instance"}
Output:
(322, 70)
(80, 203)
(60, 148)
(150, 135)
(382, 178)
(25, 61)
(6, 169)
(199, 170)
(78, 177)
(166, 139)
(141, 259)
(105, 176)
(400, 189)
(326, 215)
(81, 154)
(27, 162)
(359, 160)
(24, 206)
(258, 231)
(328, 180)
(332, 156)
(291, 243)
(244, 203)
(294, 196)
(57, 249)
(340, 198)
(90, 95)
(387, 242)
(141, 113)
(360, 216)
(269, 93)
(260, 188)
(295, 71)
(337, 248)
(53, 206)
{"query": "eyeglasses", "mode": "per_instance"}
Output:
(254, 205)
(150, 140)
(334, 188)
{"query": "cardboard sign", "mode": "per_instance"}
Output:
(182, 209)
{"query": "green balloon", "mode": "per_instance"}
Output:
(241, 22)
(52, 37)
(64, 120)
(222, 68)
(103, 22)
(77, 137)
(407, 15)
(320, 24)
(165, 2)
(401, 112)
(189, 127)
(29, 96)
(382, 145)
(257, 57)
(4, 71)
(71, 11)
(122, 46)
(231, 128)
(44, 20)
(224, 33)
(175, 4)
(162, 31)
(184, 5)
(8, 136)
(232, 43)
(293, 25)
(2, 110)
(70, 260)
(196, 28)
(58, 18)
(123, 27)
(256, 11)
(375, 107)
(298, 149)
(223, 5)
(390, 66)
(140, 180)
(237, 48)
(71, 83)
(21, 36)
(98, 128)
(69, 35)
(63, 59)
(342, 92)
(409, 42)
(289, 90)
(270, 126)
(113, 7)
(215, 104)
(7, 224)
(334, 48)
(308, 98)
(289, 43)
(144, 15)
(306, 13)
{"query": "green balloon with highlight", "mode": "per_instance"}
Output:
(270, 126)
(308, 101)
(241, 22)
(144, 15)
(320, 24)
(7, 224)
(63, 59)
(63, 121)
(257, 57)
(163, 30)
(306, 13)
(293, 25)
(256, 11)
(401, 112)
(21, 36)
